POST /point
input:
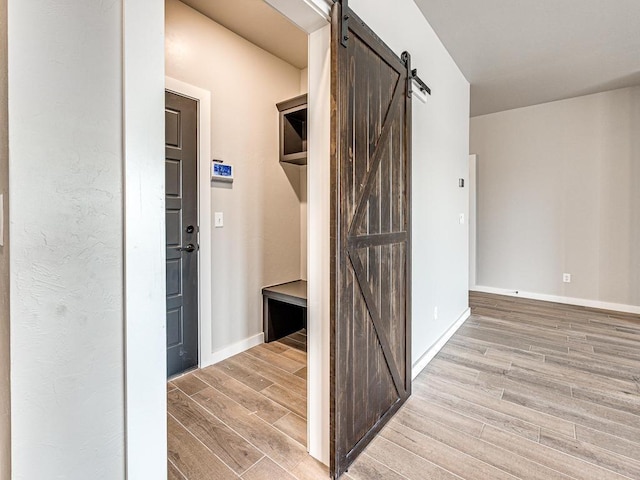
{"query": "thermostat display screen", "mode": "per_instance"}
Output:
(222, 172)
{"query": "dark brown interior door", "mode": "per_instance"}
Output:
(371, 249)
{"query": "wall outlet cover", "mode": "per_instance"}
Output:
(566, 277)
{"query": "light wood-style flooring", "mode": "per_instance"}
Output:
(244, 417)
(524, 390)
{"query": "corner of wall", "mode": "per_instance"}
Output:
(557, 193)
(5, 360)
(424, 360)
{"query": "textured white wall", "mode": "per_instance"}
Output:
(65, 112)
(558, 193)
(440, 157)
(260, 242)
(5, 359)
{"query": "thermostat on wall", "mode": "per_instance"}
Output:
(221, 172)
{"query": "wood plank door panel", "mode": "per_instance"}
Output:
(371, 231)
(181, 198)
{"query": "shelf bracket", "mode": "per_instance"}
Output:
(344, 23)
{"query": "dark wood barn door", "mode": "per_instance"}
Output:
(371, 249)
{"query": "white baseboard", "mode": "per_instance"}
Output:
(581, 302)
(436, 347)
(231, 350)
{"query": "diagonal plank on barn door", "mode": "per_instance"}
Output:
(371, 231)
(370, 215)
(381, 145)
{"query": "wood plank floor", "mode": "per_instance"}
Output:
(244, 417)
(526, 390)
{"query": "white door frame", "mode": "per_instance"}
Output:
(203, 98)
(319, 245)
(473, 212)
(145, 333)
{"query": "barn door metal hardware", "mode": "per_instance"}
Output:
(344, 23)
(412, 76)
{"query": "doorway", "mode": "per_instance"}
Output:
(256, 241)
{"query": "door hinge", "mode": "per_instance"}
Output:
(344, 23)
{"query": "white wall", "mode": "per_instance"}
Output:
(304, 80)
(558, 193)
(5, 359)
(304, 88)
(260, 242)
(303, 223)
(473, 219)
(65, 113)
(440, 157)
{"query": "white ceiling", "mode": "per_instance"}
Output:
(514, 53)
(260, 24)
(517, 53)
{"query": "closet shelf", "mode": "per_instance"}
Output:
(293, 130)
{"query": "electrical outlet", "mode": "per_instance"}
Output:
(435, 313)
(566, 277)
(461, 219)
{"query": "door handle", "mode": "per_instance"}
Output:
(189, 248)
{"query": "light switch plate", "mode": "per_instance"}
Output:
(218, 218)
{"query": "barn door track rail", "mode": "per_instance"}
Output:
(344, 23)
(405, 57)
(413, 76)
